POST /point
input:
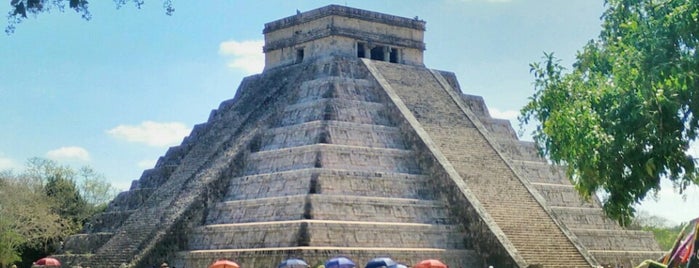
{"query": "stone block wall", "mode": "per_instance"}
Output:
(584, 218)
(373, 183)
(331, 156)
(284, 208)
(335, 109)
(371, 209)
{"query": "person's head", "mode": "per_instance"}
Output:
(164, 265)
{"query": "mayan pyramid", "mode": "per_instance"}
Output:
(346, 144)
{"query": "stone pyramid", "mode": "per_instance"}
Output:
(347, 145)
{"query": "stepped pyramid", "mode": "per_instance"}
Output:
(346, 144)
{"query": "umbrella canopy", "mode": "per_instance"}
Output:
(340, 262)
(48, 262)
(293, 263)
(431, 264)
(224, 264)
(381, 262)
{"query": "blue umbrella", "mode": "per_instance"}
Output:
(381, 262)
(293, 263)
(339, 262)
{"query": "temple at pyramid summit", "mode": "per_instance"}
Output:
(347, 145)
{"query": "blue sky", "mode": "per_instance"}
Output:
(116, 91)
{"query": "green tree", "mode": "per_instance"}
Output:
(44, 204)
(95, 189)
(27, 218)
(623, 117)
(66, 199)
(76, 195)
(11, 240)
(665, 234)
(22, 8)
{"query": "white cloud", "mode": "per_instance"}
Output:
(245, 55)
(511, 115)
(8, 164)
(121, 185)
(507, 114)
(148, 163)
(151, 133)
(69, 153)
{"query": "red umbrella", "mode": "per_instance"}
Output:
(431, 264)
(224, 264)
(48, 262)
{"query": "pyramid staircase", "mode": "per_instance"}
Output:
(604, 239)
(357, 158)
(332, 176)
(583, 221)
(506, 197)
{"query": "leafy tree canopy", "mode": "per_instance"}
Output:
(27, 218)
(22, 8)
(623, 117)
(44, 204)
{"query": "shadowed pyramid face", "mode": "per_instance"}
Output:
(353, 151)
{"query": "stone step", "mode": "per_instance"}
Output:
(330, 182)
(499, 128)
(584, 218)
(85, 243)
(320, 233)
(563, 195)
(537, 171)
(332, 156)
(335, 132)
(338, 87)
(518, 150)
(108, 221)
(363, 112)
(130, 200)
(271, 257)
(595, 239)
(329, 207)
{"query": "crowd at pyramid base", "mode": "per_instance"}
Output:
(360, 155)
